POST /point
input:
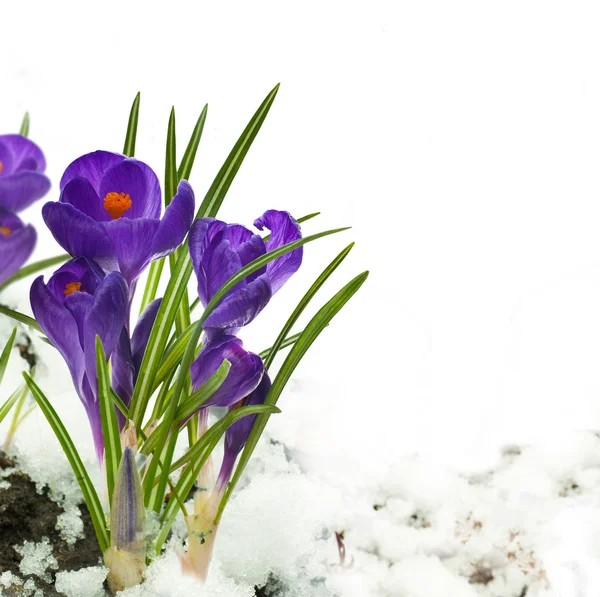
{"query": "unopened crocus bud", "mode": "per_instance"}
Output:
(126, 556)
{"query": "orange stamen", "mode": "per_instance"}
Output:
(1, 167)
(4, 230)
(116, 204)
(72, 287)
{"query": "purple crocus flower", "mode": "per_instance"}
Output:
(17, 242)
(78, 303)
(109, 211)
(244, 374)
(22, 178)
(237, 435)
(218, 250)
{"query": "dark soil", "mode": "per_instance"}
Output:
(26, 515)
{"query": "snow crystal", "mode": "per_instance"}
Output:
(82, 583)
(37, 558)
(8, 579)
(70, 525)
(4, 484)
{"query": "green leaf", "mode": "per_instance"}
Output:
(24, 131)
(33, 268)
(152, 282)
(6, 353)
(316, 325)
(215, 195)
(171, 161)
(6, 407)
(108, 416)
(312, 291)
(173, 356)
(166, 314)
(187, 162)
(197, 457)
(191, 404)
(129, 147)
(87, 488)
(203, 393)
(30, 321)
(287, 342)
(162, 433)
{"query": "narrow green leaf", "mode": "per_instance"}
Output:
(168, 308)
(171, 161)
(316, 325)
(191, 404)
(130, 137)
(173, 356)
(6, 407)
(162, 433)
(87, 488)
(30, 321)
(152, 282)
(187, 162)
(24, 131)
(6, 353)
(203, 393)
(108, 416)
(197, 456)
(287, 342)
(312, 291)
(217, 191)
(33, 268)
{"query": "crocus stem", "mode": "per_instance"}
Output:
(201, 534)
(206, 478)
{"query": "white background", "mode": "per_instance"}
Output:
(459, 139)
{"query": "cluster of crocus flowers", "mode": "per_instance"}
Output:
(22, 182)
(108, 218)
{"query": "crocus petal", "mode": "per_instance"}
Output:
(15, 250)
(250, 250)
(284, 229)
(176, 222)
(26, 153)
(141, 334)
(80, 193)
(132, 242)
(20, 190)
(92, 167)
(7, 159)
(78, 304)
(202, 233)
(79, 235)
(219, 262)
(242, 306)
(122, 372)
(105, 318)
(59, 325)
(238, 433)
(137, 180)
(243, 377)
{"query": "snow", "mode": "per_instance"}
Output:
(87, 581)
(70, 525)
(37, 558)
